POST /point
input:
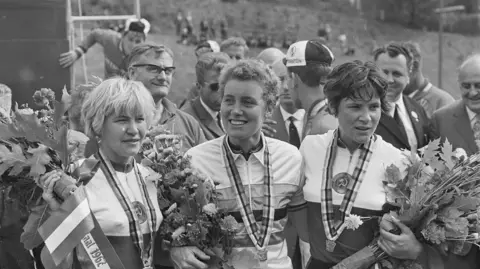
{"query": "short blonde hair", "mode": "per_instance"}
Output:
(116, 96)
(253, 70)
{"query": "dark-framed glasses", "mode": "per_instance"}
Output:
(470, 85)
(214, 86)
(157, 70)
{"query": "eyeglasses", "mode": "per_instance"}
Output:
(214, 87)
(469, 85)
(157, 70)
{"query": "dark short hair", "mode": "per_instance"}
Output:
(414, 49)
(312, 74)
(358, 81)
(393, 49)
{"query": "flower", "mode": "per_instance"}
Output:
(229, 224)
(26, 111)
(210, 209)
(352, 222)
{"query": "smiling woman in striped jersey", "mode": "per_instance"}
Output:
(258, 177)
(117, 113)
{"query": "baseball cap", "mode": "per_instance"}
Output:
(137, 25)
(308, 52)
(210, 44)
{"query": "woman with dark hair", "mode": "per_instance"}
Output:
(344, 170)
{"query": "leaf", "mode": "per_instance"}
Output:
(8, 131)
(466, 204)
(62, 144)
(40, 158)
(431, 150)
(446, 199)
(14, 159)
(30, 237)
(448, 155)
(392, 173)
(91, 148)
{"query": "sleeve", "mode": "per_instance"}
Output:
(297, 209)
(97, 36)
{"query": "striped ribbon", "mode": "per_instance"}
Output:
(333, 229)
(259, 234)
(146, 252)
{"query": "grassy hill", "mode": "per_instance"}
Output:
(274, 17)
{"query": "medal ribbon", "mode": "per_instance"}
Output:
(146, 253)
(259, 234)
(333, 229)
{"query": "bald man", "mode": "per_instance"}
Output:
(288, 127)
(460, 121)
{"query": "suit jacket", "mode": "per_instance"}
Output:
(452, 123)
(208, 124)
(282, 133)
(391, 132)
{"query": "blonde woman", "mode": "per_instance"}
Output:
(117, 113)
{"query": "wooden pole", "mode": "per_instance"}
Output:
(84, 60)
(138, 11)
(440, 45)
(70, 39)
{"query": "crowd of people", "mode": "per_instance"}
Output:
(275, 132)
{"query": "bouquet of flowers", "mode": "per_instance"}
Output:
(438, 200)
(33, 143)
(187, 200)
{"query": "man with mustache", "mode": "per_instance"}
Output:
(405, 125)
(288, 127)
(420, 89)
(206, 107)
(460, 121)
(308, 64)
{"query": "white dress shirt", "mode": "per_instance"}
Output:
(407, 123)
(471, 116)
(298, 115)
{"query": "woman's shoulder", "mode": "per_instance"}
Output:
(312, 143)
(388, 150)
(206, 148)
(281, 148)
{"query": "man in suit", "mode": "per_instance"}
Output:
(460, 121)
(308, 64)
(405, 125)
(205, 108)
(420, 89)
(288, 118)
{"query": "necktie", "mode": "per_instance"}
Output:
(476, 130)
(293, 132)
(219, 121)
(396, 117)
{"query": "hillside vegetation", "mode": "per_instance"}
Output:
(300, 18)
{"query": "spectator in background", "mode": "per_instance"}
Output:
(178, 23)
(325, 32)
(420, 89)
(5, 102)
(205, 108)
(206, 46)
(223, 29)
(116, 46)
(235, 47)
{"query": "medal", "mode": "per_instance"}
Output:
(330, 245)
(340, 182)
(140, 211)
(262, 255)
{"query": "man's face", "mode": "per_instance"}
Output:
(469, 79)
(209, 90)
(293, 89)
(130, 40)
(396, 71)
(284, 95)
(235, 52)
(155, 71)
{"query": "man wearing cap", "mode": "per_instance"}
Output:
(308, 64)
(288, 127)
(116, 46)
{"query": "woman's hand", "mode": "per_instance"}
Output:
(47, 182)
(404, 246)
(188, 258)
